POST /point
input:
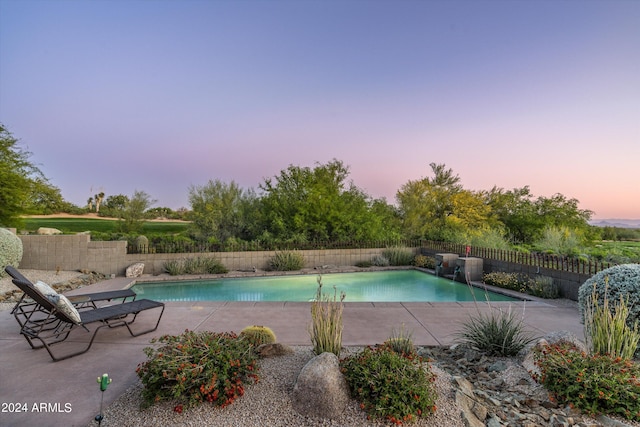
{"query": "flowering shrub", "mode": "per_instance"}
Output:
(389, 385)
(504, 280)
(593, 384)
(539, 286)
(10, 250)
(424, 261)
(195, 367)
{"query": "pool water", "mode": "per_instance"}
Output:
(379, 286)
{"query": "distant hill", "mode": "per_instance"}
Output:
(621, 223)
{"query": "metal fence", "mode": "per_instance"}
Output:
(553, 262)
(193, 247)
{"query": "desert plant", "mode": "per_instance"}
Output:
(390, 385)
(286, 261)
(364, 264)
(607, 332)
(258, 335)
(326, 321)
(498, 332)
(591, 383)
(380, 261)
(398, 256)
(10, 250)
(141, 244)
(195, 367)
(615, 282)
(505, 280)
(198, 265)
(543, 287)
(400, 341)
(424, 261)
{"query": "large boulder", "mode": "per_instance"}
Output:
(46, 231)
(135, 270)
(321, 390)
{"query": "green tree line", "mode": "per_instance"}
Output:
(321, 203)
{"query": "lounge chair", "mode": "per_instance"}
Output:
(51, 317)
(79, 301)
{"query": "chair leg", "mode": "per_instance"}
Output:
(147, 330)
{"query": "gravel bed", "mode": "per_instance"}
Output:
(267, 403)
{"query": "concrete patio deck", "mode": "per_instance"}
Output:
(66, 393)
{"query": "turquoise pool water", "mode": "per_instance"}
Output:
(379, 286)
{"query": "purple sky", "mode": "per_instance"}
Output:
(118, 96)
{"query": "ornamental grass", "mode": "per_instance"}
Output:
(326, 321)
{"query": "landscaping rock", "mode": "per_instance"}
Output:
(506, 396)
(272, 350)
(321, 390)
(46, 231)
(135, 270)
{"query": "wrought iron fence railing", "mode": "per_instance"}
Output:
(555, 262)
(192, 247)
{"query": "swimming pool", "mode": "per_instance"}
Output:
(378, 286)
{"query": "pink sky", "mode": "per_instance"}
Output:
(161, 95)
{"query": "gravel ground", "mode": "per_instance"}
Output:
(267, 404)
(49, 277)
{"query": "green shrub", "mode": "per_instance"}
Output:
(10, 250)
(326, 321)
(615, 282)
(389, 385)
(286, 261)
(380, 261)
(398, 256)
(505, 280)
(543, 287)
(497, 333)
(174, 267)
(258, 335)
(594, 384)
(197, 265)
(607, 332)
(424, 262)
(195, 367)
(364, 264)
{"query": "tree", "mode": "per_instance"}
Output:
(306, 204)
(98, 199)
(425, 204)
(526, 218)
(17, 176)
(44, 198)
(218, 210)
(132, 216)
